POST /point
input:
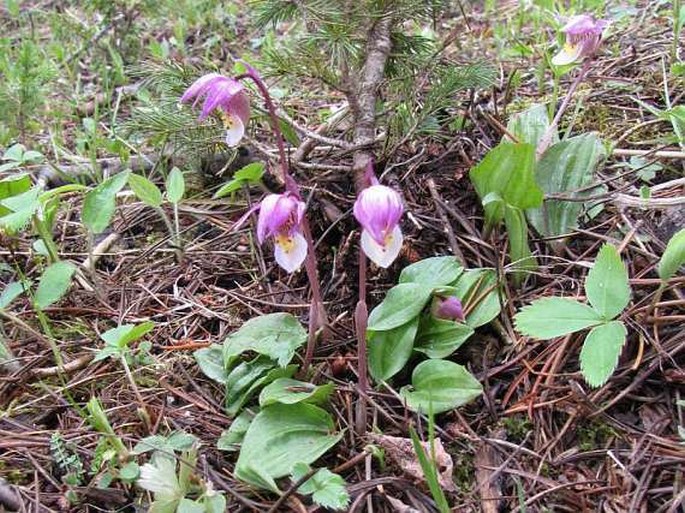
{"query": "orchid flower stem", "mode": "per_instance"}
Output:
(173, 233)
(276, 128)
(317, 311)
(547, 137)
(361, 316)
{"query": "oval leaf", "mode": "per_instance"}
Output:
(389, 351)
(145, 190)
(439, 338)
(54, 283)
(283, 435)
(606, 285)
(674, 255)
(601, 349)
(175, 186)
(439, 386)
(435, 271)
(276, 335)
(508, 169)
(555, 316)
(11, 292)
(403, 303)
(291, 391)
(99, 203)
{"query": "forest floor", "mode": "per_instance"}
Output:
(539, 439)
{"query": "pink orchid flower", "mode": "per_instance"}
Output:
(226, 96)
(280, 216)
(378, 209)
(583, 36)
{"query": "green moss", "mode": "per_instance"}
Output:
(594, 435)
(517, 427)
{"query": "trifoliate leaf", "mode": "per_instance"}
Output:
(326, 488)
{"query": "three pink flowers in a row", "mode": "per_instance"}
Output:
(378, 208)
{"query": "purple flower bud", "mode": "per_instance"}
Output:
(583, 36)
(379, 209)
(225, 95)
(448, 308)
(280, 216)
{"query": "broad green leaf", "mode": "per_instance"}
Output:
(606, 285)
(231, 438)
(434, 271)
(249, 174)
(20, 209)
(117, 339)
(402, 303)
(530, 125)
(123, 335)
(165, 505)
(326, 488)
(280, 436)
(99, 204)
(389, 351)
(11, 186)
(601, 349)
(479, 293)
(508, 170)
(14, 152)
(175, 186)
(247, 377)
(555, 316)
(519, 250)
(276, 335)
(176, 441)
(129, 472)
(145, 190)
(54, 283)
(563, 169)
(439, 338)
(186, 505)
(32, 157)
(439, 386)
(674, 255)
(211, 362)
(215, 502)
(291, 391)
(11, 292)
(8, 166)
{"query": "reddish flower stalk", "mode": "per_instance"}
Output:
(281, 216)
(378, 209)
(317, 311)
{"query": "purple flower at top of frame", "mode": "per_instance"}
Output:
(225, 96)
(583, 36)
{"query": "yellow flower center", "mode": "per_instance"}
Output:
(286, 242)
(228, 120)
